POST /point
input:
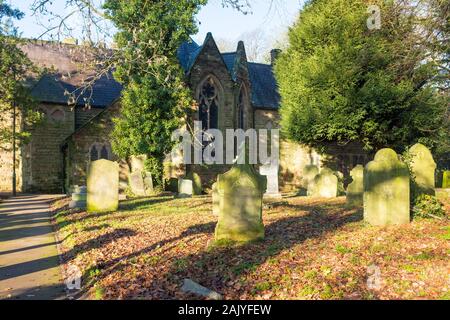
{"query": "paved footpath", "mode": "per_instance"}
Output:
(29, 263)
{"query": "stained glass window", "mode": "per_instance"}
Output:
(208, 109)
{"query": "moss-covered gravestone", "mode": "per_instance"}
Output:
(103, 186)
(446, 180)
(324, 185)
(355, 189)
(215, 200)
(240, 192)
(386, 190)
(137, 184)
(422, 168)
(196, 183)
(309, 173)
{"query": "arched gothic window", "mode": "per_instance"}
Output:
(94, 153)
(104, 153)
(209, 104)
(99, 151)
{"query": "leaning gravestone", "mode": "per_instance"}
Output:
(324, 185)
(137, 184)
(240, 192)
(185, 188)
(422, 168)
(79, 196)
(215, 200)
(355, 189)
(386, 190)
(446, 180)
(309, 173)
(103, 186)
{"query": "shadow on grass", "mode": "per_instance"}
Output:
(216, 266)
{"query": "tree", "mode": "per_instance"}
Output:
(341, 81)
(15, 99)
(155, 97)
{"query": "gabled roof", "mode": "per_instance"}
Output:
(264, 89)
(65, 76)
(52, 88)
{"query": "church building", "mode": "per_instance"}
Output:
(230, 91)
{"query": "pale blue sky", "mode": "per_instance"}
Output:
(225, 23)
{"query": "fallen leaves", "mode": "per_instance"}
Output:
(314, 249)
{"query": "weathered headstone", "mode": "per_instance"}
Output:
(196, 183)
(103, 186)
(386, 190)
(446, 180)
(324, 185)
(355, 190)
(309, 173)
(271, 172)
(79, 196)
(172, 185)
(422, 168)
(185, 188)
(240, 204)
(148, 183)
(215, 200)
(137, 184)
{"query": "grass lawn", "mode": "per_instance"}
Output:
(314, 249)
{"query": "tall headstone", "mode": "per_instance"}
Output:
(386, 190)
(240, 193)
(185, 188)
(137, 184)
(355, 190)
(324, 185)
(309, 173)
(423, 169)
(103, 186)
(446, 180)
(271, 172)
(148, 183)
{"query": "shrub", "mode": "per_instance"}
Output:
(426, 206)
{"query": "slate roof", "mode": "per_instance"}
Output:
(52, 88)
(264, 90)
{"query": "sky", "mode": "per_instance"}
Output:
(224, 23)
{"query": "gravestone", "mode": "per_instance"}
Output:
(215, 200)
(422, 168)
(103, 186)
(386, 190)
(355, 190)
(309, 173)
(271, 173)
(79, 196)
(446, 180)
(137, 184)
(196, 183)
(240, 192)
(185, 188)
(324, 185)
(148, 183)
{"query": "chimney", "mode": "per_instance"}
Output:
(274, 53)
